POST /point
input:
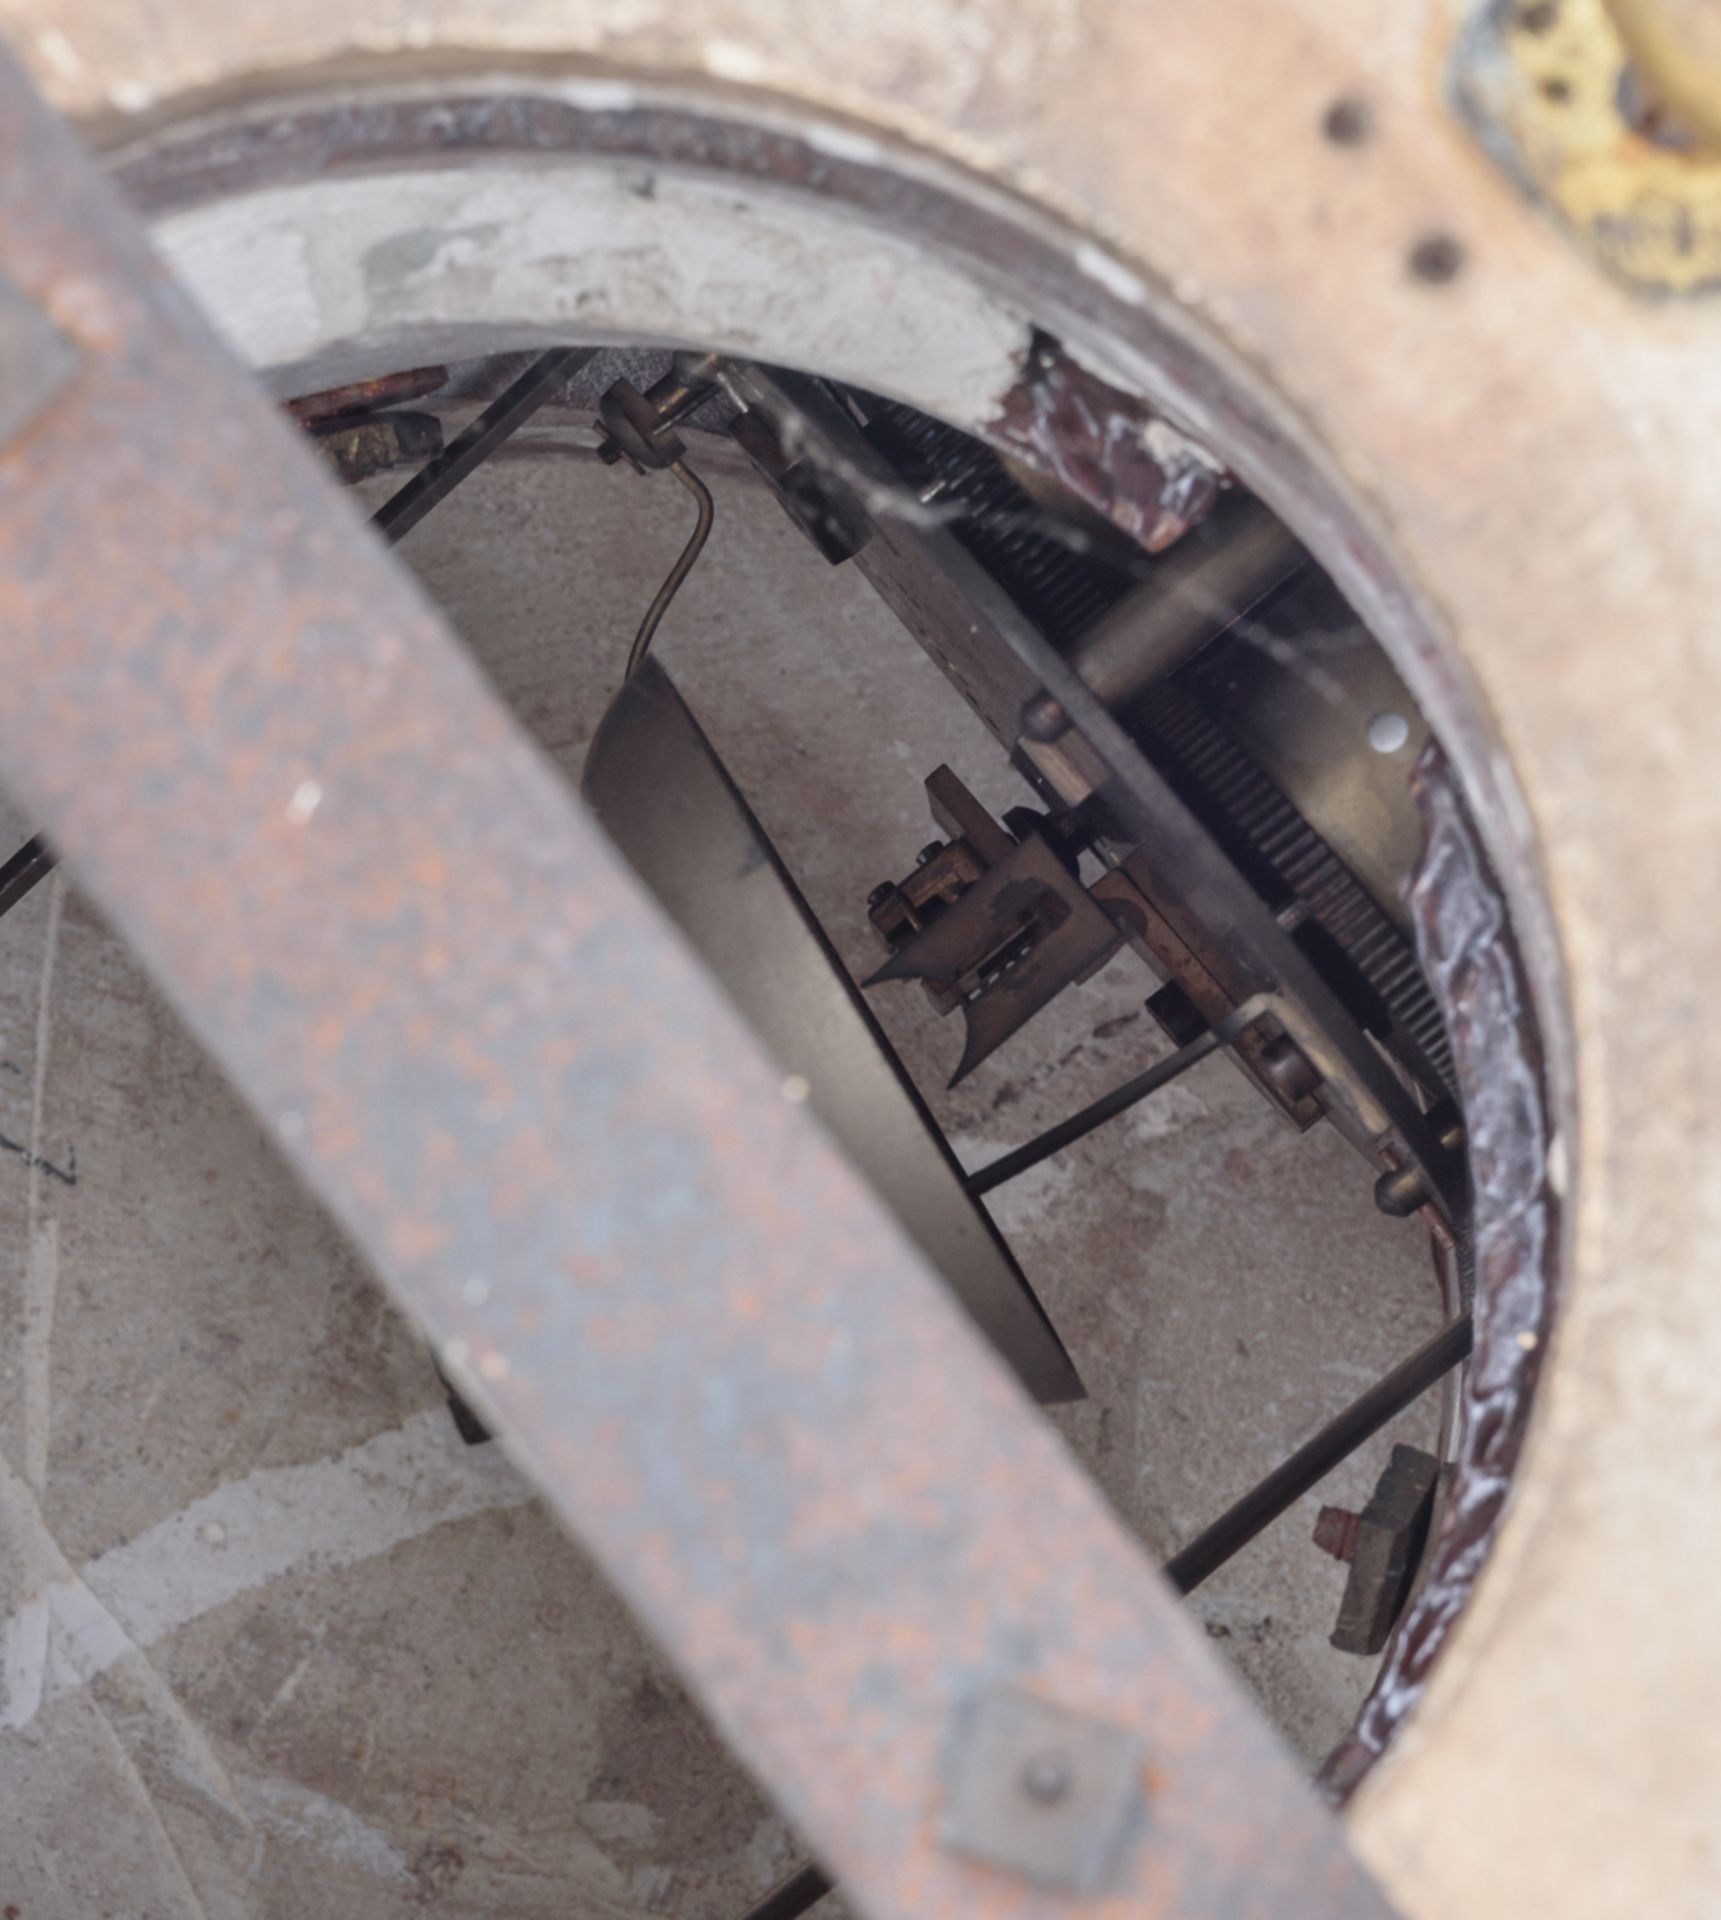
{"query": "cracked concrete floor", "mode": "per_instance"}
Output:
(272, 1641)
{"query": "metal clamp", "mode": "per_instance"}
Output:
(1043, 1791)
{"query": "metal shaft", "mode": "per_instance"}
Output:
(1198, 589)
(32, 862)
(1313, 1461)
(1107, 1107)
(505, 415)
(790, 1898)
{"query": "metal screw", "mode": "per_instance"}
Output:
(1047, 1777)
(1044, 719)
(929, 853)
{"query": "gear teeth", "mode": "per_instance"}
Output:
(1222, 782)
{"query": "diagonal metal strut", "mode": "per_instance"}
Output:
(482, 1047)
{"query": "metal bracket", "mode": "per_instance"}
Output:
(1043, 1791)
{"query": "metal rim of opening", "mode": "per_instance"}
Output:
(381, 172)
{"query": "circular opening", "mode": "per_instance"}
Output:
(922, 556)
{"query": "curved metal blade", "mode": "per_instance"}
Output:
(666, 800)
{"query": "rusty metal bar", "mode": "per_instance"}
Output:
(393, 520)
(491, 1057)
(1191, 1566)
(1319, 1455)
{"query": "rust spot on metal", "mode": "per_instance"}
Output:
(1108, 447)
(366, 396)
(1465, 942)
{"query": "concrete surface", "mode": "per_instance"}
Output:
(272, 1642)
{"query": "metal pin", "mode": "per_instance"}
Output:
(505, 415)
(1107, 1107)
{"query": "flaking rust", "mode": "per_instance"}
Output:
(1108, 447)
(1464, 939)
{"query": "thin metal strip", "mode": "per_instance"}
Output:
(487, 1052)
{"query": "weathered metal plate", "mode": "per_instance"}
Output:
(503, 1071)
(1546, 87)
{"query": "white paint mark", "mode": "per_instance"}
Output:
(475, 1291)
(796, 1089)
(1110, 272)
(733, 60)
(35, 1348)
(327, 1514)
(307, 798)
(42, 1255)
(627, 1823)
(337, 275)
(24, 1661)
(1387, 732)
(60, 54)
(649, 1886)
(130, 97)
(290, 1686)
(1025, 1202)
(842, 143)
(599, 96)
(1557, 1167)
(335, 1830)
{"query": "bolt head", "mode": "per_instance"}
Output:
(1047, 1777)
(1044, 719)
